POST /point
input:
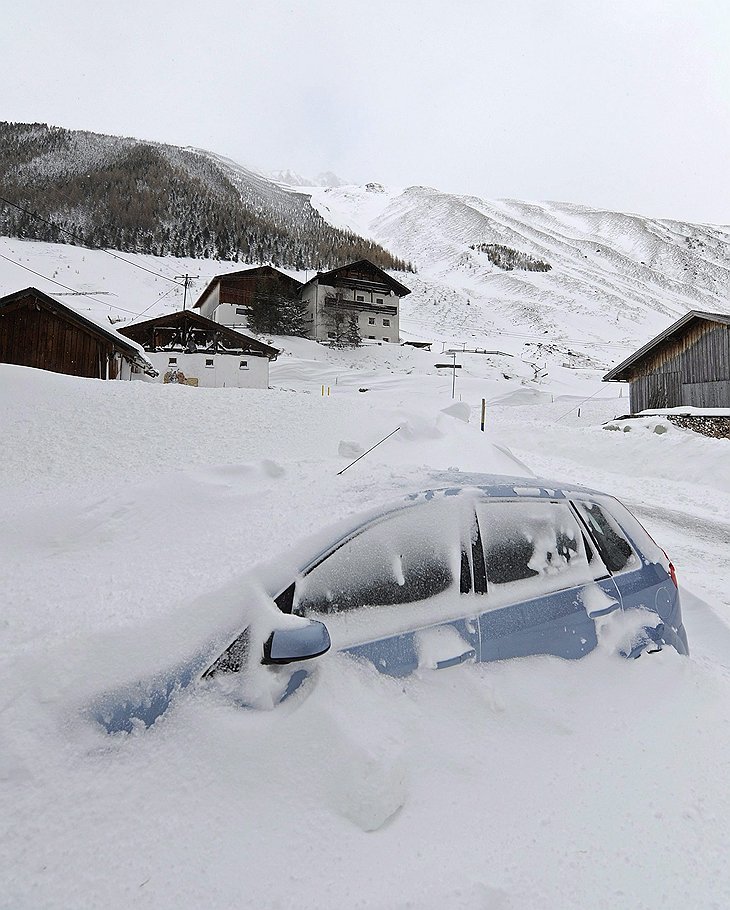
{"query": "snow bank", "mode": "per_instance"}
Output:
(131, 516)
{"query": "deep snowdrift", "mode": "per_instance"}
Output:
(131, 515)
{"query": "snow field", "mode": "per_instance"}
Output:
(132, 514)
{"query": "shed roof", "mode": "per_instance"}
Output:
(126, 345)
(617, 374)
(137, 331)
(259, 271)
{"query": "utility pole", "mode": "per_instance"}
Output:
(453, 366)
(187, 279)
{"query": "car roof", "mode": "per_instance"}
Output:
(502, 486)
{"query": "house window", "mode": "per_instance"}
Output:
(209, 362)
(240, 311)
(386, 322)
(386, 339)
(378, 299)
(371, 320)
(244, 365)
(371, 337)
(360, 298)
(172, 361)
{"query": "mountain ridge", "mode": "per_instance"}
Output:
(145, 197)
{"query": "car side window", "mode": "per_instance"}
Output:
(615, 550)
(405, 557)
(533, 548)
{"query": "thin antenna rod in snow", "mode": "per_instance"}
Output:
(368, 451)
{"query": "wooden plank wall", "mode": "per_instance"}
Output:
(37, 337)
(691, 370)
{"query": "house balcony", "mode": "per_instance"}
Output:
(332, 303)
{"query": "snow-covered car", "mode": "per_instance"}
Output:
(476, 568)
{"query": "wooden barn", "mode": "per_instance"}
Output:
(38, 331)
(687, 365)
(188, 348)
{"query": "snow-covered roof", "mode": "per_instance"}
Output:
(333, 274)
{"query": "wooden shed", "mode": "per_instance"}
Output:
(687, 365)
(38, 331)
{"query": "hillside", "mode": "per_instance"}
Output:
(120, 193)
(572, 273)
(553, 284)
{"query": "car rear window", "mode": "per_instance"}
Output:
(535, 546)
(616, 551)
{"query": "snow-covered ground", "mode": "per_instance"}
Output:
(131, 514)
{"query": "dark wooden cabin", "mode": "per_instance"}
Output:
(688, 365)
(38, 331)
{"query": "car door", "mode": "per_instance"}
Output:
(399, 593)
(546, 583)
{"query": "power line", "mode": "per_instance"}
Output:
(86, 243)
(188, 279)
(542, 338)
(82, 293)
(168, 291)
(573, 407)
(55, 189)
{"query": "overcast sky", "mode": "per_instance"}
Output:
(623, 104)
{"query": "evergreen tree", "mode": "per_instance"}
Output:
(352, 335)
(294, 317)
(344, 322)
(276, 311)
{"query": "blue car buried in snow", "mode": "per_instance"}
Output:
(476, 568)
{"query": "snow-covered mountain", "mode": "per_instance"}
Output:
(612, 276)
(148, 197)
(565, 282)
(292, 178)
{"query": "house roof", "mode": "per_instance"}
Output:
(617, 374)
(325, 277)
(137, 331)
(259, 271)
(129, 347)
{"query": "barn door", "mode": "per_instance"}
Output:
(664, 390)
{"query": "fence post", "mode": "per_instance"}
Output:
(484, 411)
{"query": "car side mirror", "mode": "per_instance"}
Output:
(285, 646)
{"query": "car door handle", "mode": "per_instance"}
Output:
(454, 661)
(441, 647)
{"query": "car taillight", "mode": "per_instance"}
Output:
(671, 569)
